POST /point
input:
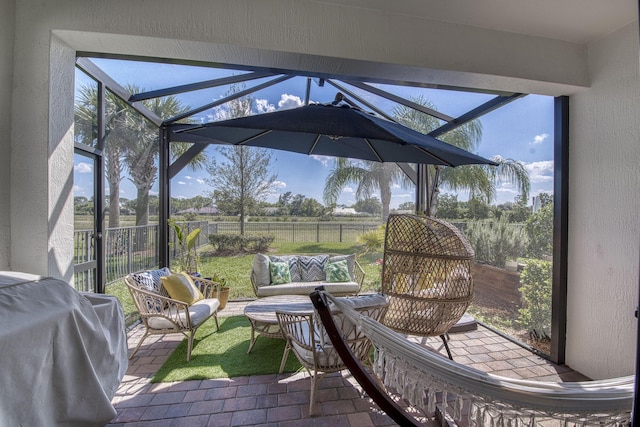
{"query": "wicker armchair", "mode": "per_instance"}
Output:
(307, 338)
(427, 275)
(161, 314)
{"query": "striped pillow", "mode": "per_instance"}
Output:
(312, 267)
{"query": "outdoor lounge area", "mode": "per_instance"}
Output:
(581, 57)
(283, 399)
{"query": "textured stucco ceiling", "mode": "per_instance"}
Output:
(576, 21)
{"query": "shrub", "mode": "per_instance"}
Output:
(240, 243)
(535, 287)
(372, 240)
(496, 242)
(540, 232)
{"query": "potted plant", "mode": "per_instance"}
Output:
(188, 254)
(224, 290)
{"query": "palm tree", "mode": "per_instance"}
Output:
(86, 128)
(368, 176)
(479, 180)
(131, 141)
(143, 146)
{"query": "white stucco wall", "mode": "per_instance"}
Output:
(6, 72)
(604, 206)
(333, 39)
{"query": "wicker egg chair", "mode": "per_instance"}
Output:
(426, 274)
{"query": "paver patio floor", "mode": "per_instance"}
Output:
(283, 400)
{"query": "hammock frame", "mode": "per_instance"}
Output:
(484, 400)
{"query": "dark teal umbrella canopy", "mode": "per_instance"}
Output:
(336, 130)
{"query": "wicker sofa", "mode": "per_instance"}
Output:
(307, 272)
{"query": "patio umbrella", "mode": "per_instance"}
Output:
(337, 130)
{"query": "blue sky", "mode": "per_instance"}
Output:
(522, 130)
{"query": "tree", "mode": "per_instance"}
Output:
(285, 199)
(540, 231)
(449, 207)
(520, 212)
(143, 147)
(407, 206)
(295, 205)
(368, 176)
(131, 141)
(545, 199)
(241, 181)
(86, 130)
(477, 208)
(311, 208)
(245, 179)
(479, 180)
(370, 205)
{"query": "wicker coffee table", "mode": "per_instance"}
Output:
(262, 314)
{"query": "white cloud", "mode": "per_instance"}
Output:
(77, 190)
(279, 184)
(289, 101)
(395, 186)
(348, 190)
(507, 188)
(540, 171)
(539, 139)
(188, 177)
(200, 180)
(83, 167)
(263, 106)
(324, 160)
(153, 193)
(182, 183)
(403, 196)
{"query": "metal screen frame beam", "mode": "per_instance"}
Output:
(560, 230)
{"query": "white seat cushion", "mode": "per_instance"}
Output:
(305, 288)
(199, 312)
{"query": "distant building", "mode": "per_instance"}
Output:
(209, 210)
(344, 211)
(271, 210)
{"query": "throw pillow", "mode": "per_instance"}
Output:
(181, 287)
(260, 270)
(312, 267)
(292, 260)
(351, 262)
(150, 280)
(337, 271)
(279, 273)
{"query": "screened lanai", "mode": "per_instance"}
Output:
(379, 96)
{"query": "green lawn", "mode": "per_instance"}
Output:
(236, 269)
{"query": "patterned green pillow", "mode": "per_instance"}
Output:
(279, 272)
(338, 271)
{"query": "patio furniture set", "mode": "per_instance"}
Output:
(427, 285)
(283, 283)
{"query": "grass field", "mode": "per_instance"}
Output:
(237, 268)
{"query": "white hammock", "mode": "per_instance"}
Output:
(420, 375)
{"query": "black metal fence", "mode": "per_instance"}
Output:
(297, 231)
(129, 249)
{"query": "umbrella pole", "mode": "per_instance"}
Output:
(422, 188)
